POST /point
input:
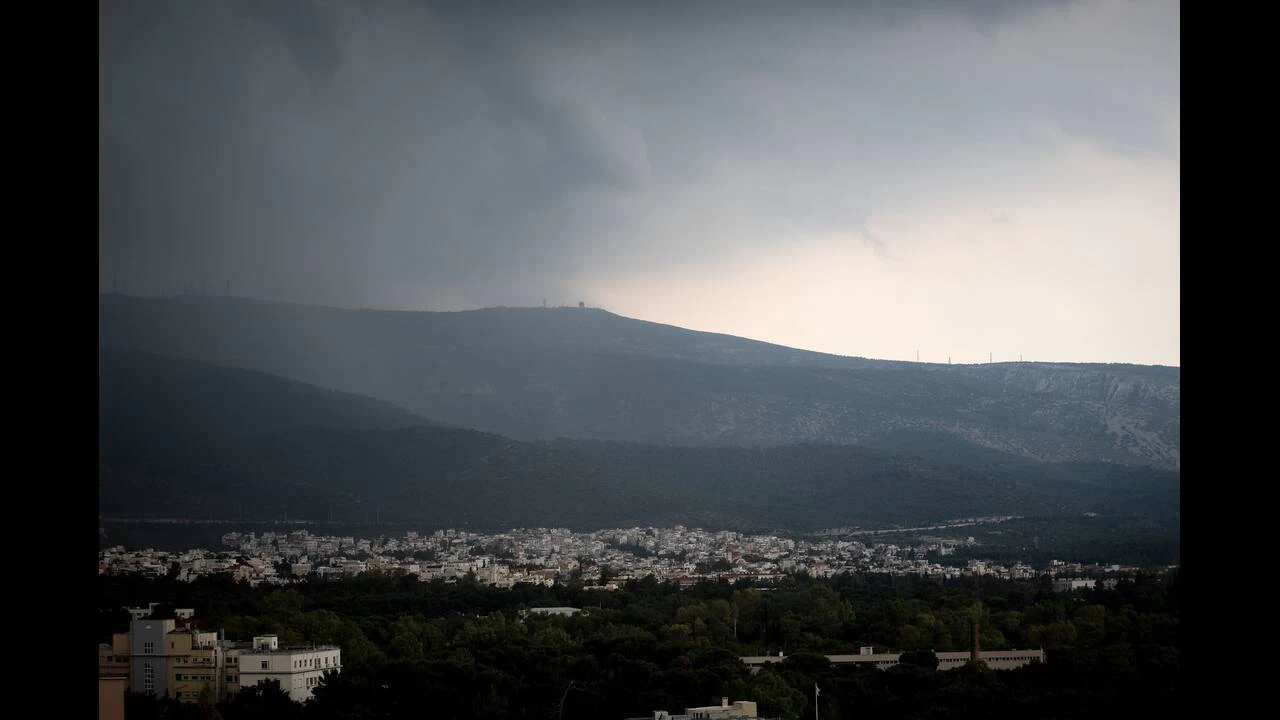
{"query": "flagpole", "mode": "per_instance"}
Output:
(815, 701)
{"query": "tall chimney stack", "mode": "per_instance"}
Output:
(974, 650)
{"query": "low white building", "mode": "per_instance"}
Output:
(561, 611)
(994, 659)
(1069, 584)
(298, 669)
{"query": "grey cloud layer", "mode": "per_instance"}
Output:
(405, 153)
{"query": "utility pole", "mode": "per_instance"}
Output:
(565, 695)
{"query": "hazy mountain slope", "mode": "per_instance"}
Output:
(535, 373)
(183, 446)
(145, 389)
(1126, 488)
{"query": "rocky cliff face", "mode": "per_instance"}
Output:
(541, 373)
(1118, 413)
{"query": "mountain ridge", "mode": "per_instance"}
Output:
(818, 355)
(536, 373)
(158, 458)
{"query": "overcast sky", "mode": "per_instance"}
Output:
(873, 178)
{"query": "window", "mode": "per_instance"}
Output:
(148, 648)
(148, 677)
(264, 664)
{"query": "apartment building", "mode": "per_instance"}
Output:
(187, 663)
(231, 671)
(111, 697)
(149, 655)
(113, 659)
(195, 666)
(298, 669)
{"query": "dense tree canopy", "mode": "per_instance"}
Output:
(465, 651)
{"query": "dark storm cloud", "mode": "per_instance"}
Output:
(409, 153)
(244, 141)
(308, 33)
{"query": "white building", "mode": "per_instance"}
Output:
(298, 669)
(561, 611)
(994, 659)
(1069, 584)
(739, 710)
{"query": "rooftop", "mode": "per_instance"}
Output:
(287, 650)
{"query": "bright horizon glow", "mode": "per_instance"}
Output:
(997, 355)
